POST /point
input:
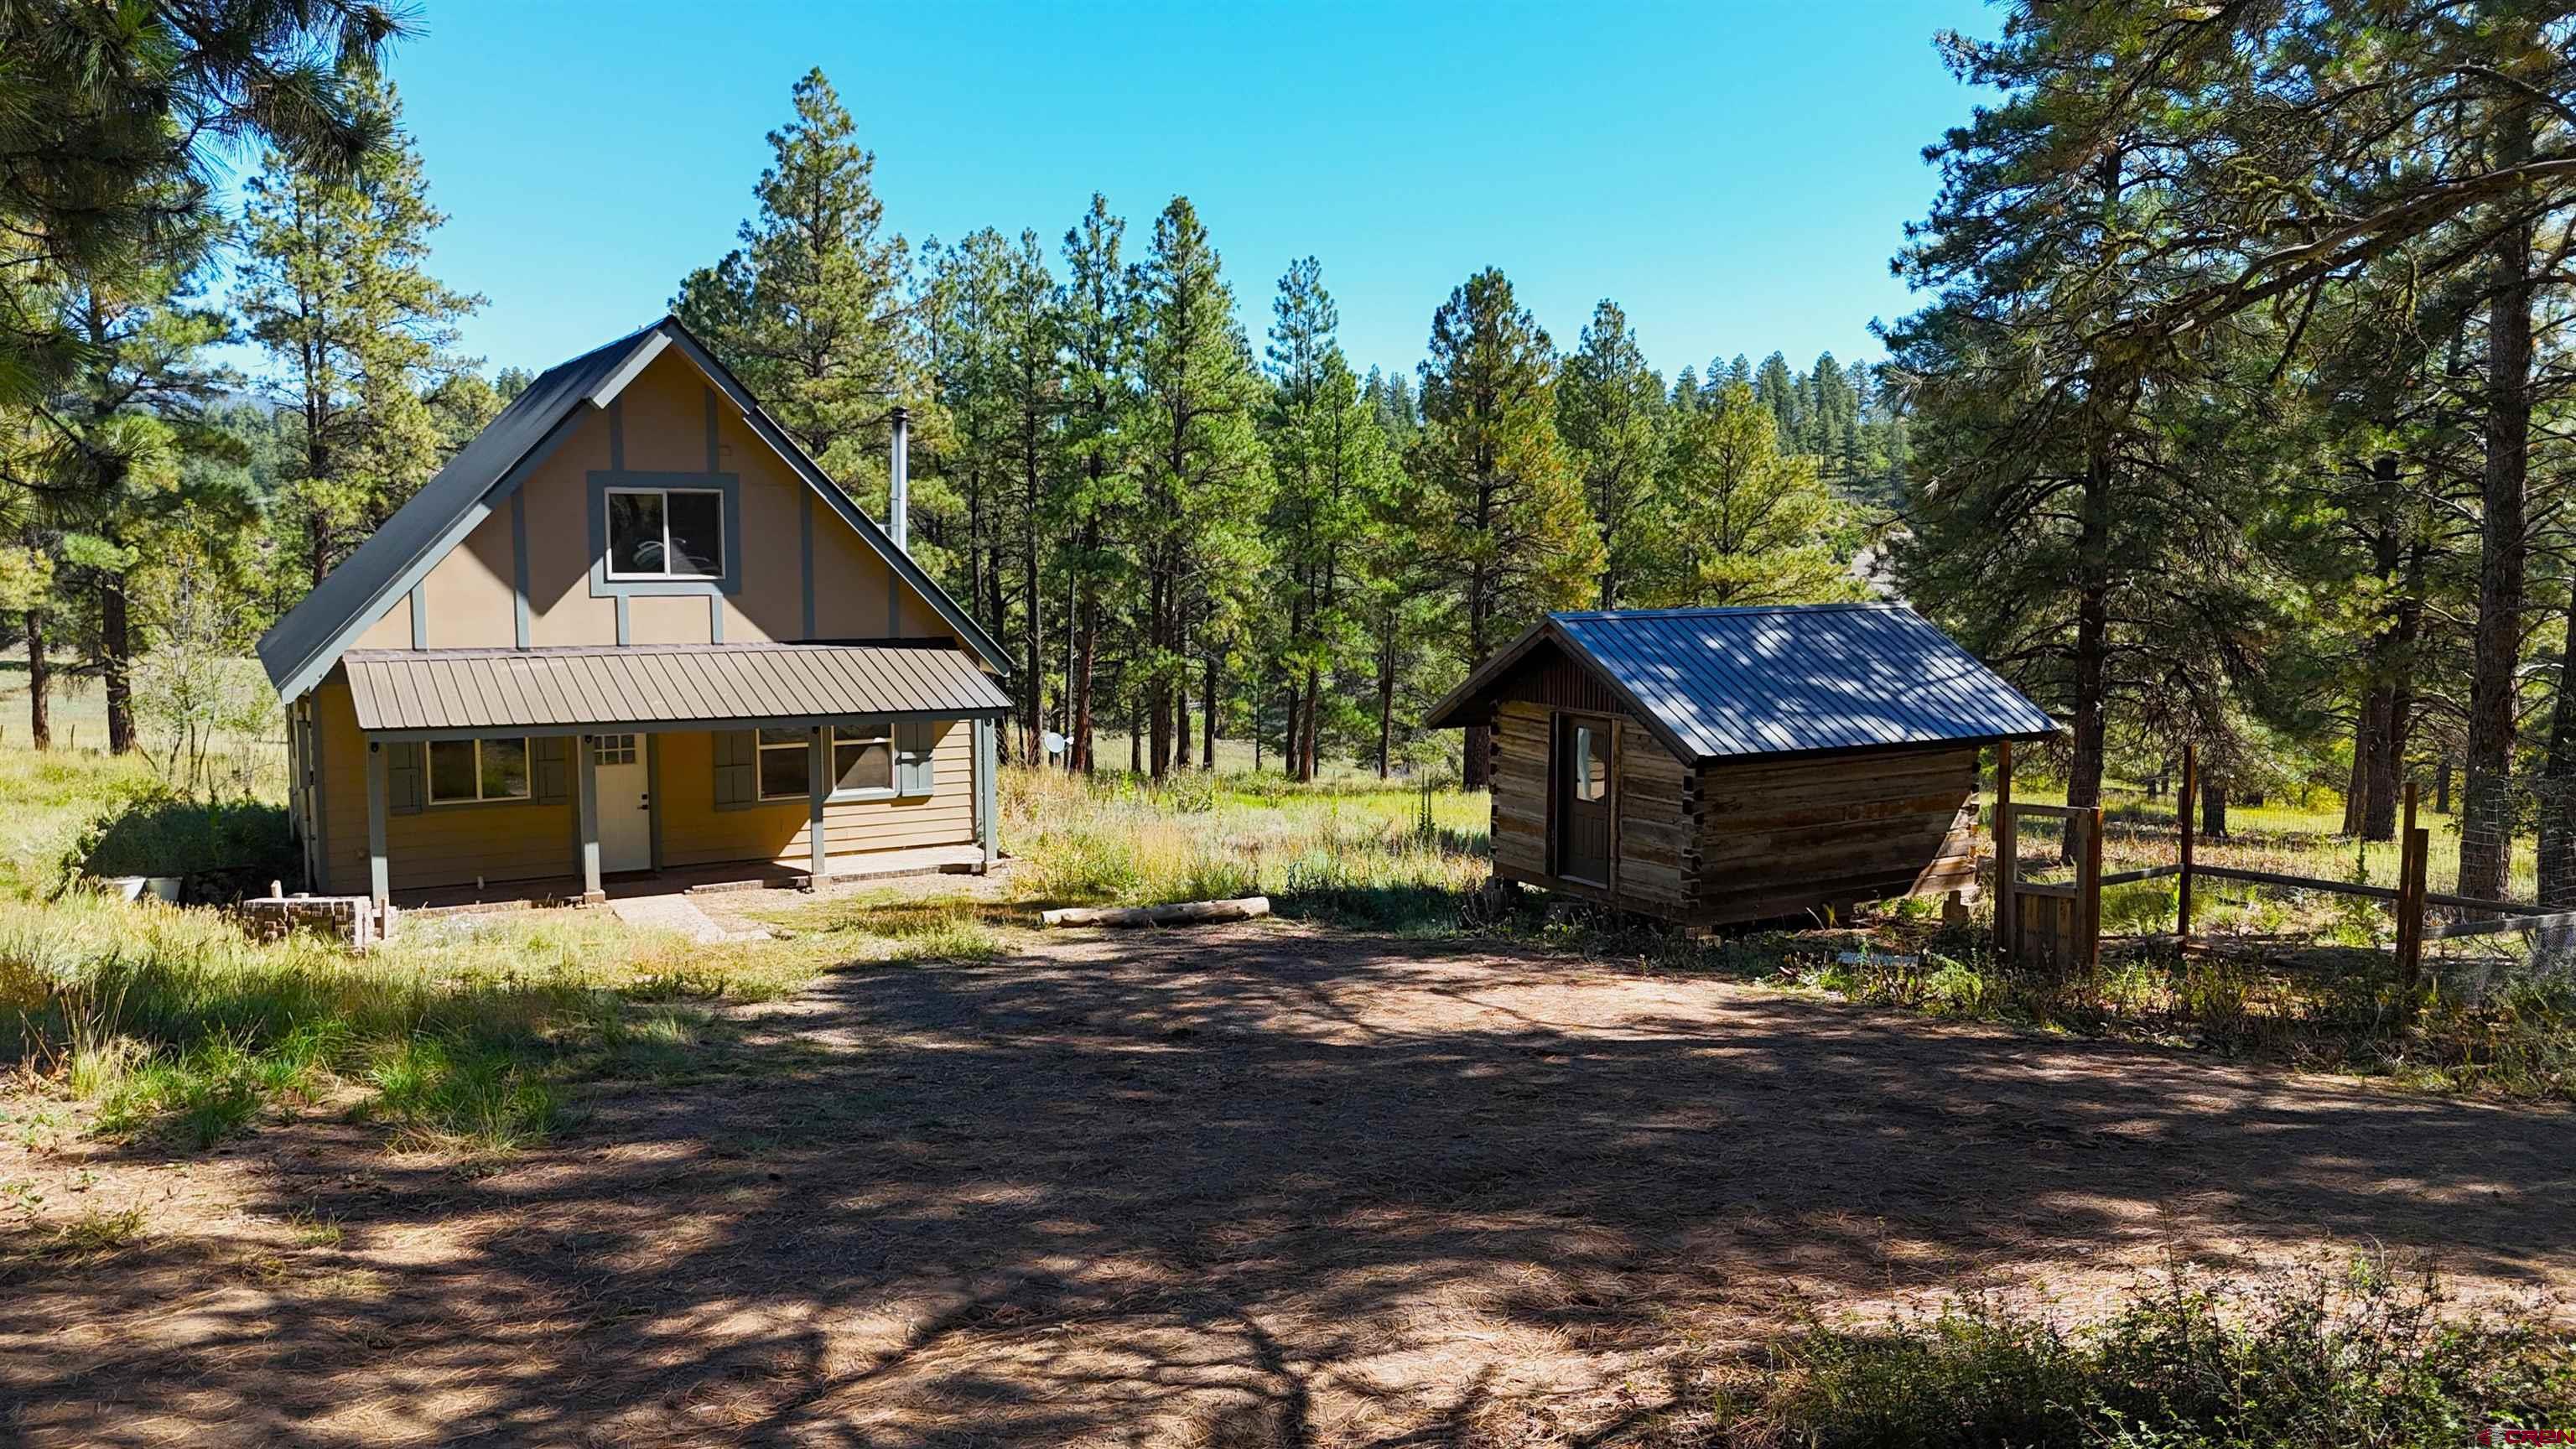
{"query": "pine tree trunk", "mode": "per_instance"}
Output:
(2092, 644)
(2356, 786)
(2442, 787)
(2486, 805)
(2385, 710)
(1385, 718)
(2213, 810)
(1207, 716)
(40, 684)
(1479, 745)
(1306, 743)
(116, 650)
(1158, 610)
(1288, 734)
(1085, 643)
(2557, 856)
(1135, 740)
(1030, 629)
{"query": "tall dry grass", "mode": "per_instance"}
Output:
(1362, 852)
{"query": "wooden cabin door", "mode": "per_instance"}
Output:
(1583, 798)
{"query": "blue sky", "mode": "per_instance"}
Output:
(1735, 175)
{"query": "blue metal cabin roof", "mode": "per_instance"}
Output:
(1791, 679)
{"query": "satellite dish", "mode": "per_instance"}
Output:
(1054, 743)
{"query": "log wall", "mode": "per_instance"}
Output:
(1653, 841)
(1758, 840)
(1788, 837)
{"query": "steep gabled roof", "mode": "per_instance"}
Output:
(303, 646)
(1792, 679)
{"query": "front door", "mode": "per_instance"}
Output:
(1583, 798)
(625, 803)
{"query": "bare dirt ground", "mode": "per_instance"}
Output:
(1257, 1186)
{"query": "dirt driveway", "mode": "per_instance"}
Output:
(1259, 1186)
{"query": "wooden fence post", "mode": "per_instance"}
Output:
(2007, 854)
(2183, 809)
(2091, 903)
(2411, 859)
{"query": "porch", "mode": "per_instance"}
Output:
(718, 878)
(489, 776)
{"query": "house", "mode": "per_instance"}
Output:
(1709, 766)
(632, 627)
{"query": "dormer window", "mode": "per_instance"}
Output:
(665, 533)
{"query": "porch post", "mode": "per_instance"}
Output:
(588, 776)
(987, 792)
(818, 784)
(379, 875)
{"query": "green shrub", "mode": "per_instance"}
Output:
(2310, 1357)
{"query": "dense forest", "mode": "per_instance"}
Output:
(2234, 415)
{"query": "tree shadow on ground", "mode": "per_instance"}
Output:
(1260, 1186)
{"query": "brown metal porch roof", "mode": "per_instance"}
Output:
(661, 685)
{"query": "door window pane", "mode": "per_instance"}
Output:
(1591, 768)
(635, 533)
(696, 534)
(505, 769)
(451, 770)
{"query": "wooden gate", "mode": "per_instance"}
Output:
(2053, 927)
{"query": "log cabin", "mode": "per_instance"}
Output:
(632, 630)
(1714, 766)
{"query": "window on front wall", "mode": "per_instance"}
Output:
(786, 765)
(863, 757)
(463, 771)
(862, 761)
(665, 533)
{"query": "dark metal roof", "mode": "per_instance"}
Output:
(301, 647)
(367, 582)
(1728, 683)
(661, 684)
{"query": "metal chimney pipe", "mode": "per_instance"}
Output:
(899, 478)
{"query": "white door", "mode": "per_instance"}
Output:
(625, 805)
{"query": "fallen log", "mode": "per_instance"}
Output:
(1182, 914)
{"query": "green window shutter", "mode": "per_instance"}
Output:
(550, 768)
(737, 758)
(914, 741)
(403, 765)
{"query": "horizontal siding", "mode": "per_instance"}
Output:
(694, 832)
(438, 846)
(453, 845)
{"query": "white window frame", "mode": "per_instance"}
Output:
(608, 563)
(894, 759)
(429, 774)
(759, 780)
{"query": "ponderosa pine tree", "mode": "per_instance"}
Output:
(808, 310)
(1503, 529)
(107, 116)
(1201, 475)
(1332, 473)
(1610, 411)
(1096, 500)
(335, 289)
(1746, 522)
